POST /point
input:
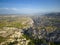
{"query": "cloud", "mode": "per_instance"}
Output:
(18, 10)
(15, 9)
(8, 9)
(3, 8)
(26, 10)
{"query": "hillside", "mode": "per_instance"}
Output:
(33, 30)
(15, 21)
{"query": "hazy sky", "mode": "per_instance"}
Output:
(29, 6)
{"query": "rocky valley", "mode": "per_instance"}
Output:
(30, 30)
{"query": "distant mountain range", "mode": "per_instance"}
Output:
(53, 14)
(47, 14)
